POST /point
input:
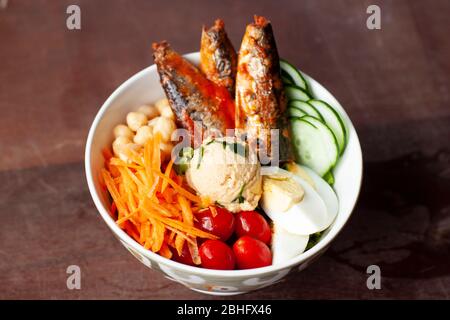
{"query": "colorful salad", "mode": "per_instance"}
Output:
(233, 169)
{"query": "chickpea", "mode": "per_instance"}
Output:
(164, 127)
(166, 150)
(143, 134)
(119, 144)
(125, 149)
(149, 110)
(122, 130)
(161, 103)
(164, 109)
(135, 120)
(152, 122)
(121, 147)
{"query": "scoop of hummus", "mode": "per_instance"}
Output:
(224, 171)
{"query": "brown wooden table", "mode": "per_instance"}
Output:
(393, 82)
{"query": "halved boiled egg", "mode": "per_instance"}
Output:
(324, 190)
(292, 203)
(286, 245)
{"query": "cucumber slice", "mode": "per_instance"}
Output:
(306, 107)
(321, 124)
(332, 120)
(294, 74)
(314, 144)
(286, 78)
(294, 112)
(329, 177)
(296, 93)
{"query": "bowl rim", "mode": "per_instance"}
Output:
(154, 257)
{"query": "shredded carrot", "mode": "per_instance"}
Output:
(168, 195)
(180, 234)
(173, 210)
(157, 236)
(120, 163)
(113, 209)
(122, 219)
(213, 211)
(131, 231)
(145, 232)
(156, 154)
(112, 169)
(193, 250)
(153, 188)
(186, 212)
(155, 207)
(167, 174)
(179, 243)
(179, 180)
(148, 243)
(171, 238)
(147, 160)
(134, 156)
(114, 192)
(180, 226)
(180, 189)
(107, 154)
(165, 251)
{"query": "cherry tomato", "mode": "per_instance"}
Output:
(251, 253)
(221, 225)
(251, 223)
(185, 256)
(215, 254)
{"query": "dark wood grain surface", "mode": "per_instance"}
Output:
(393, 82)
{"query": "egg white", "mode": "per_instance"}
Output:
(286, 245)
(326, 193)
(304, 218)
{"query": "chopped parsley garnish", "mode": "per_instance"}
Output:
(202, 151)
(217, 203)
(184, 157)
(236, 147)
(182, 166)
(224, 143)
(313, 239)
(240, 198)
(187, 152)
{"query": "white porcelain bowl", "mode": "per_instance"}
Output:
(144, 87)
